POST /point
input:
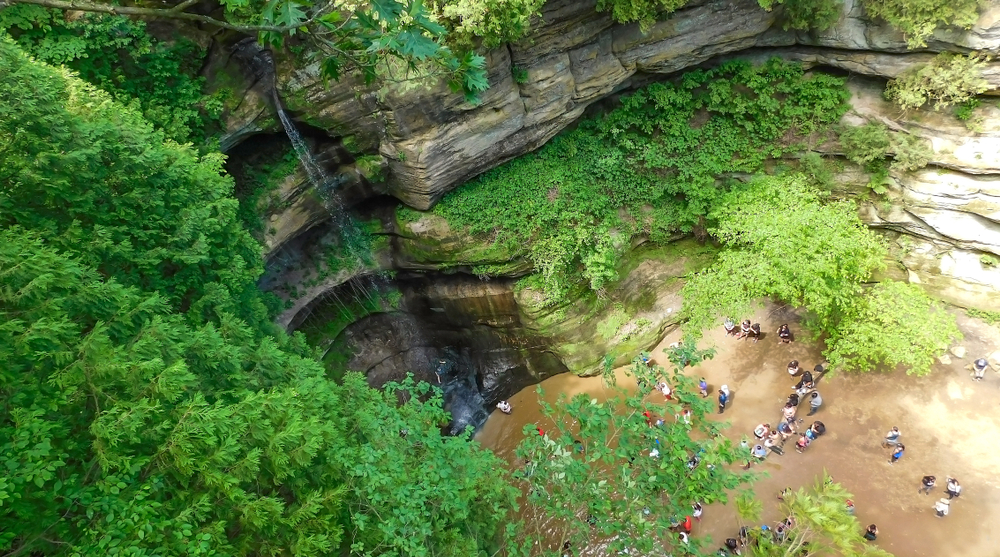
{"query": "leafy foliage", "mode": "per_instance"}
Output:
(818, 15)
(141, 415)
(645, 12)
(948, 79)
(822, 525)
(94, 177)
(648, 167)
(893, 324)
(592, 475)
(494, 21)
(784, 244)
(918, 19)
(871, 144)
(118, 55)
(368, 38)
(865, 145)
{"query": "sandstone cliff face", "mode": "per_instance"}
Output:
(942, 221)
(434, 141)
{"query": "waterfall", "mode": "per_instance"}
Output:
(314, 171)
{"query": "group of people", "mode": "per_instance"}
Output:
(952, 489)
(747, 330)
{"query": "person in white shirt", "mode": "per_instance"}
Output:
(504, 407)
(942, 507)
(892, 438)
(953, 489)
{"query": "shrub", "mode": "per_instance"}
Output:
(865, 145)
(817, 169)
(645, 12)
(892, 324)
(494, 21)
(909, 152)
(918, 19)
(869, 145)
(783, 243)
(949, 79)
(650, 167)
(818, 15)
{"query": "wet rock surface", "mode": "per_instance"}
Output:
(458, 333)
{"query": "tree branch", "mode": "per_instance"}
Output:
(175, 12)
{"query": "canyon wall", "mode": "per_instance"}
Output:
(421, 141)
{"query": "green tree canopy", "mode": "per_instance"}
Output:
(94, 178)
(892, 324)
(368, 38)
(821, 525)
(141, 415)
(788, 245)
(918, 19)
(785, 244)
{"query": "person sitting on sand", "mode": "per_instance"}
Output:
(784, 334)
(761, 430)
(942, 507)
(802, 444)
(979, 369)
(730, 327)
(786, 430)
(871, 532)
(755, 331)
(504, 407)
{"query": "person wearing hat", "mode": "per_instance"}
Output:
(941, 507)
(979, 369)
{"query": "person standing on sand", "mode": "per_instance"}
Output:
(723, 399)
(927, 484)
(892, 438)
(793, 368)
(703, 388)
(897, 453)
(784, 334)
(953, 489)
(789, 412)
(815, 401)
(942, 507)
